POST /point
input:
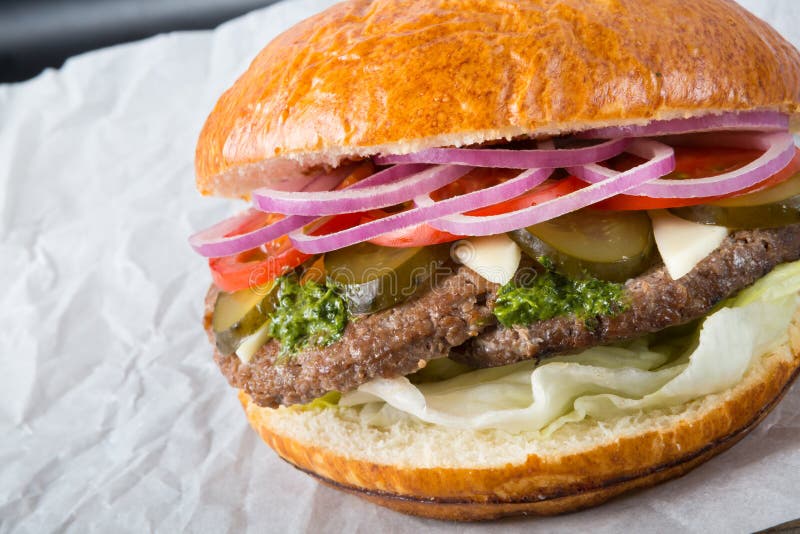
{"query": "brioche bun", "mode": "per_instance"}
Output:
(466, 475)
(371, 77)
(368, 77)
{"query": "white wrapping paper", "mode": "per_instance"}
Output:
(113, 417)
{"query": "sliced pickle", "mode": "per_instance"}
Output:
(774, 215)
(313, 270)
(609, 245)
(238, 315)
(372, 278)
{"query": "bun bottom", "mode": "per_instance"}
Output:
(464, 475)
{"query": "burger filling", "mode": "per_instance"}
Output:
(473, 317)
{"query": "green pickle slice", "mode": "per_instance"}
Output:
(372, 278)
(238, 315)
(769, 208)
(609, 245)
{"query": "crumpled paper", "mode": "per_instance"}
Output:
(113, 416)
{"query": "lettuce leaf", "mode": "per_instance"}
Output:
(601, 382)
(782, 281)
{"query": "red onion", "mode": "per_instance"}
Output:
(386, 188)
(426, 210)
(779, 151)
(213, 243)
(747, 120)
(661, 160)
(511, 159)
(416, 180)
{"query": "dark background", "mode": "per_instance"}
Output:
(35, 34)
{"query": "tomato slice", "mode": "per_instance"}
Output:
(695, 162)
(255, 267)
(420, 235)
(259, 266)
(548, 190)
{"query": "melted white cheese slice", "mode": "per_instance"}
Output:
(683, 244)
(252, 343)
(495, 257)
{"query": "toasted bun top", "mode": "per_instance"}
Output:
(391, 76)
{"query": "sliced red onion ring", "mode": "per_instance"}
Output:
(328, 181)
(385, 188)
(426, 210)
(511, 159)
(213, 243)
(661, 160)
(779, 151)
(748, 120)
(270, 201)
(387, 176)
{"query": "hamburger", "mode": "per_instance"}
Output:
(507, 257)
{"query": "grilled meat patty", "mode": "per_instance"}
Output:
(448, 320)
(655, 300)
(393, 342)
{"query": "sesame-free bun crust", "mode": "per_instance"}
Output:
(385, 76)
(452, 474)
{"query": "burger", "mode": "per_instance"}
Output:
(507, 257)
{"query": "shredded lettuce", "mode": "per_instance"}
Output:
(601, 382)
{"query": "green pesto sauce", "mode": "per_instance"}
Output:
(551, 294)
(307, 315)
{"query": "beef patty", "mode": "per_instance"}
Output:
(448, 320)
(394, 342)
